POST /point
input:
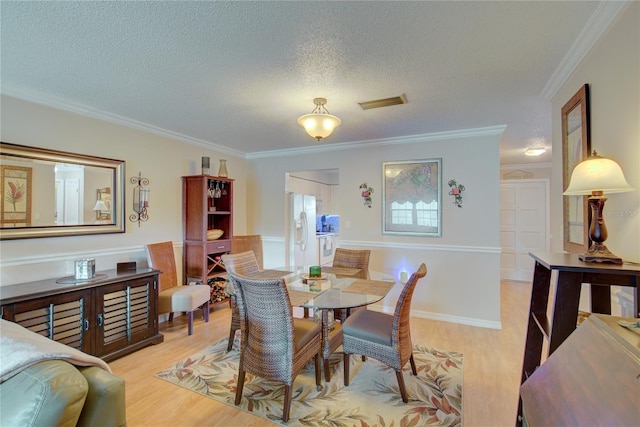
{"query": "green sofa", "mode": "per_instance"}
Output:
(53, 391)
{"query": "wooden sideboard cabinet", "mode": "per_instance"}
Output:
(109, 316)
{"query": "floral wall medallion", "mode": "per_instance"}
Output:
(456, 192)
(366, 194)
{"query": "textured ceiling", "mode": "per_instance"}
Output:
(238, 74)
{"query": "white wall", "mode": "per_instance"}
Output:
(162, 160)
(463, 279)
(533, 171)
(462, 284)
(612, 70)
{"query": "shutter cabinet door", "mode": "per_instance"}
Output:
(65, 318)
(125, 314)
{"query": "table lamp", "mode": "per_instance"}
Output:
(595, 176)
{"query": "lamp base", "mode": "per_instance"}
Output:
(599, 253)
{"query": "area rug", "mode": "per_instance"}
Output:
(371, 399)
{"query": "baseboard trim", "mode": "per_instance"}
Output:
(443, 317)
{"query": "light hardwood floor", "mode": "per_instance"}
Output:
(492, 366)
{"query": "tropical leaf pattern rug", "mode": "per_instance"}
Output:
(372, 399)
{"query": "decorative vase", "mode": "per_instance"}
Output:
(222, 172)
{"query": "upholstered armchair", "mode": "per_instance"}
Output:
(172, 297)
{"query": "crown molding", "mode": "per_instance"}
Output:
(410, 139)
(84, 110)
(602, 17)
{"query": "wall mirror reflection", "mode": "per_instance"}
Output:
(48, 193)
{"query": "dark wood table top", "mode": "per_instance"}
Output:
(570, 262)
(591, 380)
(28, 290)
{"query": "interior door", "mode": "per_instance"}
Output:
(71, 201)
(524, 226)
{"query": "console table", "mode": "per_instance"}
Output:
(111, 315)
(571, 273)
(593, 379)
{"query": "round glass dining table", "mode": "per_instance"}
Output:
(336, 288)
(338, 291)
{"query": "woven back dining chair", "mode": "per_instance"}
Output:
(331, 340)
(243, 263)
(275, 345)
(384, 337)
(249, 242)
(352, 258)
(172, 297)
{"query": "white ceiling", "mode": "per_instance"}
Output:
(238, 74)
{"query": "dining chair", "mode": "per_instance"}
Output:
(243, 263)
(331, 340)
(172, 297)
(351, 258)
(275, 345)
(384, 337)
(252, 242)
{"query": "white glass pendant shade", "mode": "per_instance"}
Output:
(597, 174)
(319, 124)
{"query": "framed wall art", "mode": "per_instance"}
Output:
(16, 196)
(576, 146)
(412, 197)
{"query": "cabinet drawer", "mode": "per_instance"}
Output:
(217, 246)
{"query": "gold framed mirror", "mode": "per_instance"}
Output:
(576, 146)
(50, 193)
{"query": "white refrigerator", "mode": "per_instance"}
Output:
(302, 248)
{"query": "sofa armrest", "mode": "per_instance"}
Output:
(51, 392)
(105, 404)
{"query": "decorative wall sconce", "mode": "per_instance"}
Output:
(140, 198)
(366, 194)
(100, 208)
(456, 192)
(103, 205)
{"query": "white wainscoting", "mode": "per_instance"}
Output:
(29, 269)
(462, 283)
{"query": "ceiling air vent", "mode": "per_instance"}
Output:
(387, 102)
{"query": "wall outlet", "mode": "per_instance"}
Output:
(347, 224)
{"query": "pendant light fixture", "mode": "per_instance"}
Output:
(319, 124)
